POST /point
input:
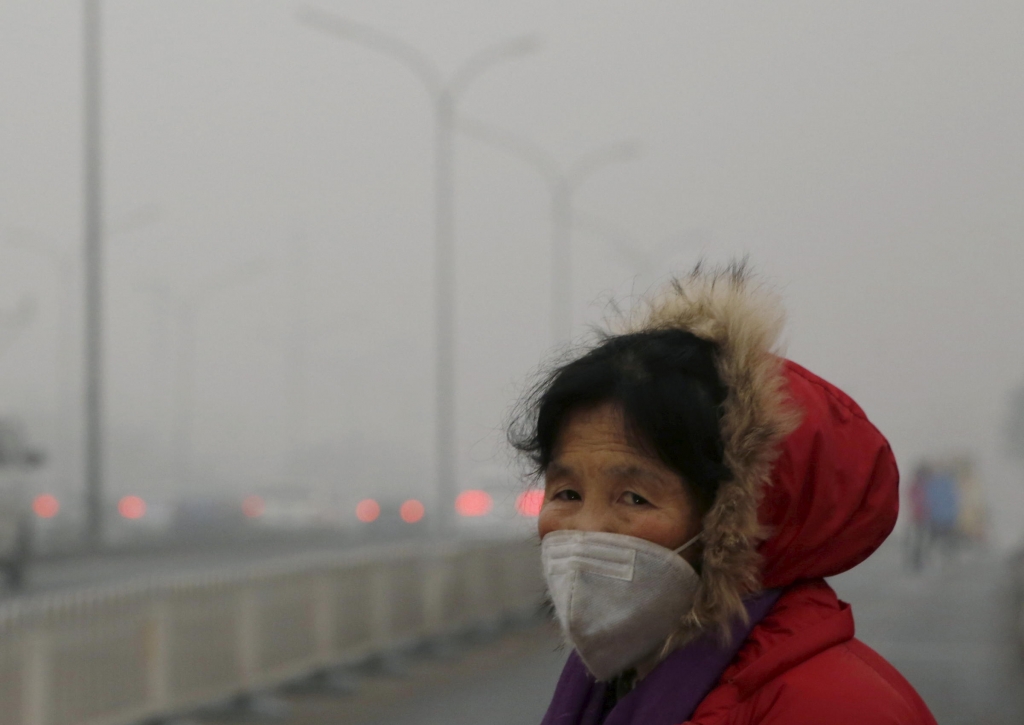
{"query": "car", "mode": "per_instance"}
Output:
(16, 459)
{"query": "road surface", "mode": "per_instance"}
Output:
(75, 571)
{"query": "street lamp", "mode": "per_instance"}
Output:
(444, 94)
(563, 182)
(296, 338)
(92, 252)
(186, 307)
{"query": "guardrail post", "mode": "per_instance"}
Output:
(38, 651)
(380, 610)
(158, 655)
(323, 618)
(435, 582)
(248, 636)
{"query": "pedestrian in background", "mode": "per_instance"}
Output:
(919, 533)
(942, 497)
(698, 489)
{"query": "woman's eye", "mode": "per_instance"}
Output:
(635, 499)
(567, 494)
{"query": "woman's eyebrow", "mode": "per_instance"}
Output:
(557, 470)
(635, 471)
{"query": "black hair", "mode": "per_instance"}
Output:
(667, 386)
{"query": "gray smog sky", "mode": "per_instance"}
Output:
(868, 156)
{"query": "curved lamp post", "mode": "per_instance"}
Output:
(444, 93)
(563, 182)
(186, 307)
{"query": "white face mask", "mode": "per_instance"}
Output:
(617, 597)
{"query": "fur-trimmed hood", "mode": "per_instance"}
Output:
(814, 484)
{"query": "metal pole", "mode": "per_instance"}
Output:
(66, 371)
(296, 360)
(163, 308)
(563, 183)
(444, 309)
(444, 96)
(184, 377)
(93, 279)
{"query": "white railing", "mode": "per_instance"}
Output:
(119, 655)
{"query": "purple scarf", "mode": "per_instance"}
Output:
(669, 695)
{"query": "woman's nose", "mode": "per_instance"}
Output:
(595, 517)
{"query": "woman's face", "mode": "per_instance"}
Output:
(598, 481)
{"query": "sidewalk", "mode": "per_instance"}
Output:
(507, 681)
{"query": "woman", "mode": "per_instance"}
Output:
(698, 487)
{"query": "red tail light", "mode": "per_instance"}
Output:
(367, 510)
(474, 503)
(253, 506)
(411, 511)
(46, 506)
(131, 507)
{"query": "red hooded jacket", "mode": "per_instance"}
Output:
(813, 492)
(833, 500)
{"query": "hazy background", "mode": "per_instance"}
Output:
(868, 156)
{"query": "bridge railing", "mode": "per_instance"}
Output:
(125, 654)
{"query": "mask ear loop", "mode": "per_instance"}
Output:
(683, 548)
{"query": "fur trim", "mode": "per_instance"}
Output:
(728, 307)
